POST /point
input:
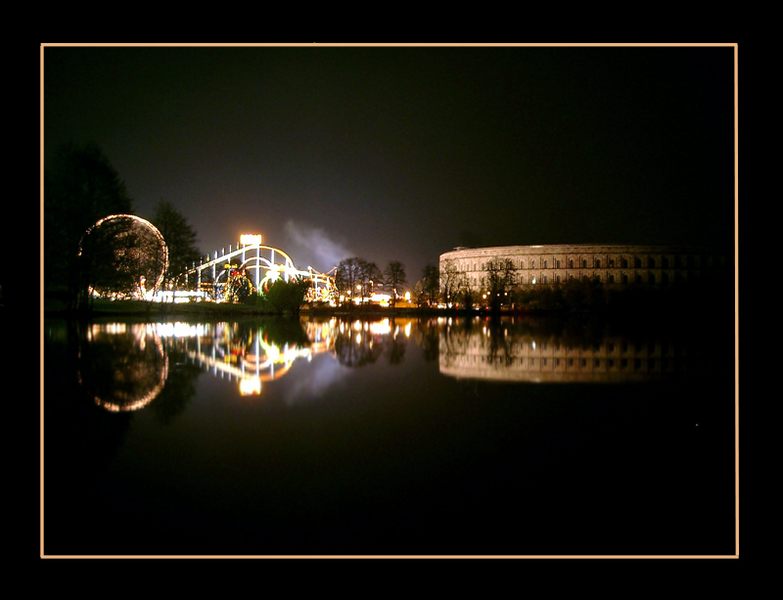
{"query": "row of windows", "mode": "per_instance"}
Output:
(611, 278)
(650, 262)
(624, 363)
(608, 347)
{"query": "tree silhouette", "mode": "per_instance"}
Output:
(394, 276)
(499, 281)
(180, 238)
(453, 282)
(80, 187)
(346, 277)
(428, 286)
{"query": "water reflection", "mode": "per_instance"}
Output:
(122, 367)
(506, 350)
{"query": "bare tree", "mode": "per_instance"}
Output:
(452, 282)
(395, 278)
(499, 281)
(369, 276)
(347, 276)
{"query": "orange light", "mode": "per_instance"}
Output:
(250, 239)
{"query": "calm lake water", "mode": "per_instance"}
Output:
(404, 436)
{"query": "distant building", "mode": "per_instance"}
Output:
(613, 265)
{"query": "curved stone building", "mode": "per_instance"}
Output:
(613, 265)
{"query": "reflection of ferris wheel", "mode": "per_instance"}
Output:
(124, 254)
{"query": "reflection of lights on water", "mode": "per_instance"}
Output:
(112, 328)
(407, 329)
(380, 328)
(177, 329)
(533, 344)
(358, 338)
(144, 400)
(141, 334)
(357, 325)
(250, 386)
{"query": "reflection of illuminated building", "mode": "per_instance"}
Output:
(123, 367)
(507, 355)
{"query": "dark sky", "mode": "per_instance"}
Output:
(403, 153)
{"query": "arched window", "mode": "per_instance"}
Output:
(637, 263)
(625, 278)
(624, 263)
(557, 263)
(611, 278)
(611, 263)
(570, 263)
(597, 263)
(650, 262)
(584, 263)
(545, 263)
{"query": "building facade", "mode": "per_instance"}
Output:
(613, 265)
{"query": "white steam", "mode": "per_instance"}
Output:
(312, 246)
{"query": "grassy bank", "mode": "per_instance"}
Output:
(136, 308)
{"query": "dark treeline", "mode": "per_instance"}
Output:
(81, 187)
(356, 277)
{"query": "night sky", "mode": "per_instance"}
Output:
(404, 153)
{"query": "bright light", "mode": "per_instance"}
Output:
(381, 328)
(407, 296)
(250, 239)
(407, 330)
(178, 329)
(382, 299)
(250, 386)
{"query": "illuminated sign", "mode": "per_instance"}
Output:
(250, 239)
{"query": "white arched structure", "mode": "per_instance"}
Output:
(263, 265)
